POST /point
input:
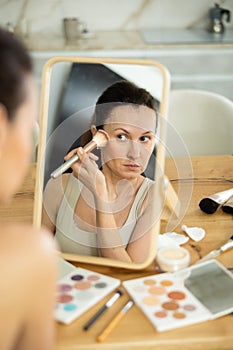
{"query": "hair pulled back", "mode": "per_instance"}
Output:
(15, 63)
(120, 93)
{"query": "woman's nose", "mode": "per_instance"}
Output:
(134, 150)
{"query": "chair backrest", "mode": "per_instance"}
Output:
(204, 121)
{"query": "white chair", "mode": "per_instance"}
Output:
(203, 120)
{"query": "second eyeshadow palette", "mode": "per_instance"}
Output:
(79, 290)
(193, 295)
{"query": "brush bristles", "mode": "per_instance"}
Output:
(208, 205)
(101, 138)
(227, 209)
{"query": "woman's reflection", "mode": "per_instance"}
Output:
(108, 211)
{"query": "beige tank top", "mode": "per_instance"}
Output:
(73, 240)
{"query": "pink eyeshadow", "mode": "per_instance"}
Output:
(65, 298)
(189, 307)
(93, 278)
(82, 285)
(64, 288)
(160, 314)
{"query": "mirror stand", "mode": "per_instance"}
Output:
(172, 202)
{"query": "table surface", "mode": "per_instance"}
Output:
(211, 174)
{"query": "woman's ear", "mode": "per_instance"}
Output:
(93, 130)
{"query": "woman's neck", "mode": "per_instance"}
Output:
(115, 184)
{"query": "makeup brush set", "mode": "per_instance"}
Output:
(223, 199)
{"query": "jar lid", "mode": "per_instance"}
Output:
(173, 258)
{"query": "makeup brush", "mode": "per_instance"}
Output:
(99, 140)
(210, 204)
(228, 206)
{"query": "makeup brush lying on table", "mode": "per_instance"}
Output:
(210, 204)
(216, 252)
(99, 140)
(227, 207)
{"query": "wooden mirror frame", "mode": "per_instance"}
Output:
(159, 190)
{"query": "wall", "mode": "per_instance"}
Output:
(45, 16)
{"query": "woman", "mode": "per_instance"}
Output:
(27, 256)
(108, 212)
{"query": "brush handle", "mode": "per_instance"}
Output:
(62, 168)
(116, 319)
(227, 245)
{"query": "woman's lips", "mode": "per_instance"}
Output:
(132, 166)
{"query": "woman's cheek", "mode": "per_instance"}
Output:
(112, 151)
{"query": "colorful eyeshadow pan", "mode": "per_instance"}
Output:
(157, 290)
(166, 283)
(82, 285)
(64, 298)
(189, 307)
(176, 295)
(149, 282)
(100, 285)
(150, 300)
(170, 305)
(161, 314)
(77, 277)
(93, 278)
(64, 288)
(70, 307)
(79, 290)
(179, 315)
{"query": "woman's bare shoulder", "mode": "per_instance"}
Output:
(58, 183)
(28, 272)
(28, 257)
(22, 240)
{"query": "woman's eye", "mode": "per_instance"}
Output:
(122, 137)
(145, 138)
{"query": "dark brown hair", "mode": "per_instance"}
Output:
(15, 62)
(120, 93)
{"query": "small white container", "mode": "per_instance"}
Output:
(171, 259)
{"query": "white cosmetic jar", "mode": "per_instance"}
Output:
(171, 259)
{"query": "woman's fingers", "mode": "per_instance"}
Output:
(92, 156)
(70, 154)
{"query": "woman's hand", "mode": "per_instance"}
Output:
(87, 171)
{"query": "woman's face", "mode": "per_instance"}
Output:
(16, 141)
(131, 130)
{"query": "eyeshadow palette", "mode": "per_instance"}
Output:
(79, 290)
(196, 294)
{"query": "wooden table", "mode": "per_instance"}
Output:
(210, 174)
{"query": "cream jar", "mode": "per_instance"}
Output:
(171, 259)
